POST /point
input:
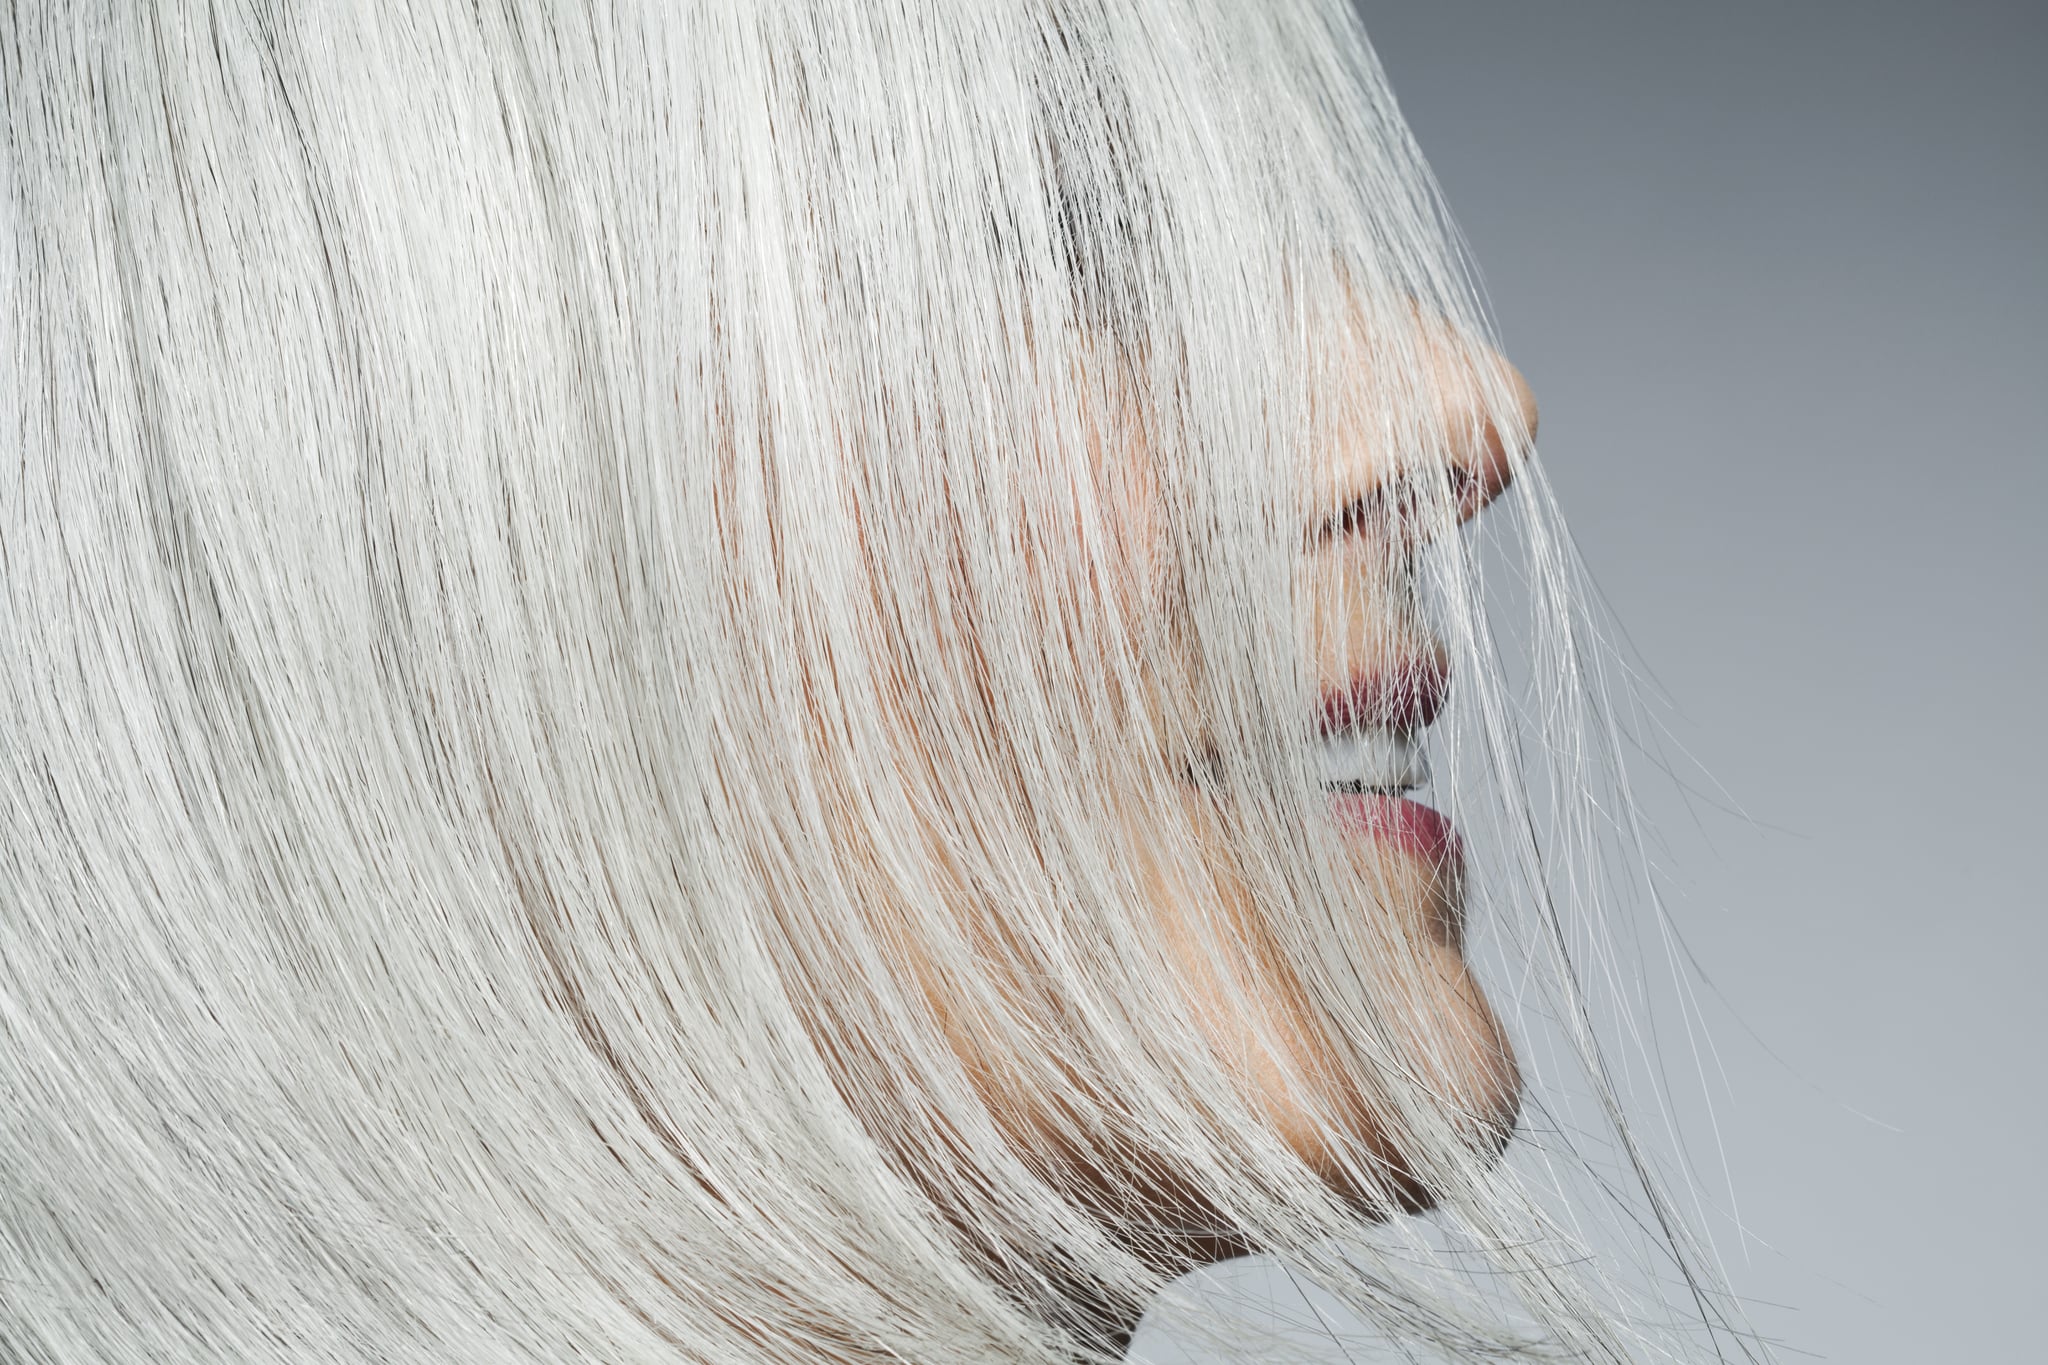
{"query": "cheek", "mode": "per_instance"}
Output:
(1131, 598)
(1118, 493)
(1132, 520)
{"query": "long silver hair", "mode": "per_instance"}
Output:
(543, 544)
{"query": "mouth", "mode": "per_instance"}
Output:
(1367, 773)
(1369, 757)
(1377, 759)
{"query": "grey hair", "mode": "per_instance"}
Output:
(495, 492)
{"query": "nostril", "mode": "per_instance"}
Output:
(1403, 505)
(1468, 491)
(1487, 474)
(1361, 514)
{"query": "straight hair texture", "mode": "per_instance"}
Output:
(573, 659)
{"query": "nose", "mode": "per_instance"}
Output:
(1483, 456)
(1464, 434)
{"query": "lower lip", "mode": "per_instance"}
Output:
(1407, 825)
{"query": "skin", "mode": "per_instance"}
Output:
(1359, 619)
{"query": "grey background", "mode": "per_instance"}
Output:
(1775, 270)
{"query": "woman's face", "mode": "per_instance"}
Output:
(1381, 677)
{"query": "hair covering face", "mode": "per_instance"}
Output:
(663, 675)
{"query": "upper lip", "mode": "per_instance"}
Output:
(1404, 696)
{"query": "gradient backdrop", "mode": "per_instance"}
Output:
(1776, 272)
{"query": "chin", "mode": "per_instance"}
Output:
(1464, 1056)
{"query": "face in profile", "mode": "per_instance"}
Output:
(747, 682)
(1121, 614)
